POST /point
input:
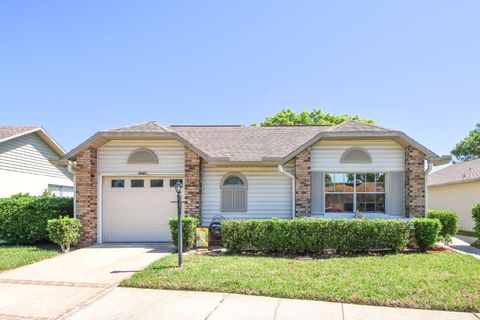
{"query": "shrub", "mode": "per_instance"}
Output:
(188, 232)
(23, 218)
(64, 231)
(314, 236)
(449, 222)
(426, 232)
(476, 219)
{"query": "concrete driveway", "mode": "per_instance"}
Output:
(57, 287)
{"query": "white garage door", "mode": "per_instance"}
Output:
(137, 209)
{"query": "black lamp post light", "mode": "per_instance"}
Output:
(178, 189)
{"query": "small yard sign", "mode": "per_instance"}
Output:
(201, 238)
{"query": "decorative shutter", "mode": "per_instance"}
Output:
(317, 196)
(240, 200)
(396, 193)
(227, 200)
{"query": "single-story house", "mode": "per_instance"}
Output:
(456, 188)
(30, 162)
(125, 177)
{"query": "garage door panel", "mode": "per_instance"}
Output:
(137, 214)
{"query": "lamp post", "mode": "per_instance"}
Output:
(178, 189)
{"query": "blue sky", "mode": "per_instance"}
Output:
(79, 67)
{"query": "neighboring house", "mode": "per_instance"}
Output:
(456, 188)
(125, 177)
(30, 163)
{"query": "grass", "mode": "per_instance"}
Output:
(444, 281)
(16, 256)
(476, 244)
(467, 233)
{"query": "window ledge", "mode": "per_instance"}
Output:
(332, 215)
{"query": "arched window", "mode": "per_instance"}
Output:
(142, 156)
(233, 193)
(356, 155)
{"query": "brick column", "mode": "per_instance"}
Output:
(302, 183)
(86, 195)
(414, 182)
(192, 183)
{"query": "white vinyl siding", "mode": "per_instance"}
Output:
(113, 157)
(386, 155)
(29, 154)
(268, 193)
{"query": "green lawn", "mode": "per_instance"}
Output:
(467, 233)
(16, 256)
(445, 281)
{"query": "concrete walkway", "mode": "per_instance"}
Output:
(55, 288)
(146, 304)
(462, 244)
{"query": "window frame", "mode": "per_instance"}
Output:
(150, 152)
(233, 187)
(355, 193)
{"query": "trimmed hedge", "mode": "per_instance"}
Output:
(449, 222)
(426, 232)
(23, 218)
(476, 219)
(314, 236)
(64, 231)
(188, 231)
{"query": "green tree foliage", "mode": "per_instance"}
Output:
(288, 117)
(469, 148)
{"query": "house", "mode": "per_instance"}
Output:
(125, 177)
(456, 188)
(30, 163)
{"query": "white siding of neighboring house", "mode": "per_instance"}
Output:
(458, 197)
(25, 167)
(387, 155)
(113, 157)
(268, 196)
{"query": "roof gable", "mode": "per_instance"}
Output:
(11, 132)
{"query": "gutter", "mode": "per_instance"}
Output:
(291, 176)
(71, 169)
(427, 172)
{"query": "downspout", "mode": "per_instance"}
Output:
(292, 177)
(427, 172)
(71, 169)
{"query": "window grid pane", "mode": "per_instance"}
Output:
(368, 190)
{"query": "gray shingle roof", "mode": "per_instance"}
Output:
(247, 143)
(456, 173)
(11, 131)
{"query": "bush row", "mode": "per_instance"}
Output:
(188, 231)
(314, 236)
(23, 218)
(476, 219)
(448, 221)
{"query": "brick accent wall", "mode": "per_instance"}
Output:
(414, 182)
(192, 183)
(86, 195)
(302, 183)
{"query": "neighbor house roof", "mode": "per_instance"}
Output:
(12, 132)
(235, 143)
(457, 173)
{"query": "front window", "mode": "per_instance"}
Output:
(351, 192)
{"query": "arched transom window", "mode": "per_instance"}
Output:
(142, 156)
(233, 193)
(356, 155)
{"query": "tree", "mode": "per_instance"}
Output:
(468, 148)
(288, 117)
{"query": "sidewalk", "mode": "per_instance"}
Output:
(462, 244)
(146, 304)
